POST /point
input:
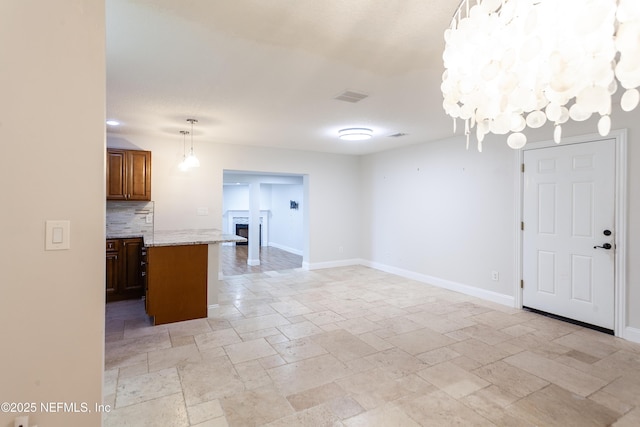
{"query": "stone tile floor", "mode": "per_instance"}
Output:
(355, 346)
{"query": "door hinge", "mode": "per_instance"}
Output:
(522, 168)
(522, 225)
(521, 284)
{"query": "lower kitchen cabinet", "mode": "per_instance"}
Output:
(177, 283)
(125, 269)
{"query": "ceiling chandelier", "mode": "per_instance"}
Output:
(510, 64)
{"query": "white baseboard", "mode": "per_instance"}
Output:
(211, 308)
(631, 334)
(332, 264)
(253, 262)
(446, 284)
(286, 248)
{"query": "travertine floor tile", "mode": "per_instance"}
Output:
(420, 341)
(217, 338)
(198, 384)
(384, 416)
(147, 387)
(300, 330)
(626, 388)
(316, 396)
(554, 406)
(343, 345)
(295, 350)
(205, 411)
(357, 346)
(452, 379)
(249, 350)
(511, 379)
(309, 373)
(440, 409)
(557, 373)
(257, 323)
(165, 411)
(171, 357)
(256, 407)
(630, 419)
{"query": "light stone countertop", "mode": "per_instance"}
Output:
(190, 237)
(181, 237)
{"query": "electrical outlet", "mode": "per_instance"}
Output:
(495, 276)
(340, 249)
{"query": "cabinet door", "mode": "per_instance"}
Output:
(113, 273)
(116, 179)
(128, 174)
(139, 175)
(131, 273)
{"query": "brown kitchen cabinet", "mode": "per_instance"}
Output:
(113, 272)
(128, 174)
(125, 269)
(177, 283)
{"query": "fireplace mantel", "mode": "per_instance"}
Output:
(234, 217)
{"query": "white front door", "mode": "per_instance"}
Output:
(568, 215)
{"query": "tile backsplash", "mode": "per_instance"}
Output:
(129, 218)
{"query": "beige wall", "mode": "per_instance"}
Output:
(52, 81)
(461, 206)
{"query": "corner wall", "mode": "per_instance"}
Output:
(52, 81)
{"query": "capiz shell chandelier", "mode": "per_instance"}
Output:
(510, 64)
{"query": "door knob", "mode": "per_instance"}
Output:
(605, 246)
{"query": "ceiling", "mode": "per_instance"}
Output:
(266, 73)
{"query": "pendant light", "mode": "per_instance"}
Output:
(192, 161)
(183, 166)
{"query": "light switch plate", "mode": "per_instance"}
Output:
(57, 235)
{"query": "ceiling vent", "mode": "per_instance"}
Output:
(351, 96)
(397, 135)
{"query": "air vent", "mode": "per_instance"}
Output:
(351, 96)
(397, 135)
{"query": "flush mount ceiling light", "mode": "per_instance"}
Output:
(510, 64)
(192, 161)
(355, 134)
(113, 122)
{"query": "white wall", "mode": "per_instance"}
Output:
(333, 204)
(286, 224)
(438, 210)
(52, 167)
(461, 207)
(235, 198)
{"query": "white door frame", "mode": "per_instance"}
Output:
(620, 220)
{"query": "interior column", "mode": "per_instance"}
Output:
(254, 224)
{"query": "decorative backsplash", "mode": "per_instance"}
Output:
(129, 218)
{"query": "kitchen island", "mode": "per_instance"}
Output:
(182, 273)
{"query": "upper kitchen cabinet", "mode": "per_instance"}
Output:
(128, 174)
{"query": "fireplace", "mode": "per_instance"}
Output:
(243, 231)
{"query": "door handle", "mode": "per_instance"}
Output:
(605, 246)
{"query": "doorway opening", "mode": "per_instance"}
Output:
(274, 204)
